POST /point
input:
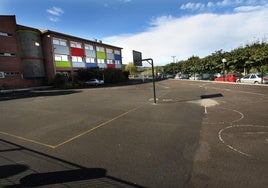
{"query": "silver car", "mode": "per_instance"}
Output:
(94, 82)
(255, 78)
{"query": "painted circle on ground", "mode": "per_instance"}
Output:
(248, 140)
(220, 115)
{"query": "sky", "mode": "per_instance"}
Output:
(159, 29)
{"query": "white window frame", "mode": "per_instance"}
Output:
(90, 60)
(77, 59)
(100, 49)
(117, 52)
(118, 62)
(4, 34)
(61, 42)
(102, 61)
(6, 54)
(110, 61)
(76, 44)
(110, 51)
(89, 47)
(2, 74)
(59, 57)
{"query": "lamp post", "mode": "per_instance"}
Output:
(223, 67)
(173, 64)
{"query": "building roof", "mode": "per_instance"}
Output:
(46, 32)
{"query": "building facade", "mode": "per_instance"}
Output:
(29, 57)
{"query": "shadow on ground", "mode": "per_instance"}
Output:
(34, 93)
(78, 176)
(29, 93)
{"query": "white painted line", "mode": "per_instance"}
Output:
(231, 147)
(223, 122)
(206, 109)
(242, 116)
(167, 100)
(152, 99)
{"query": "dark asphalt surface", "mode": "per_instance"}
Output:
(199, 134)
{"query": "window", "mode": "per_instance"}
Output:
(117, 62)
(2, 75)
(76, 44)
(61, 57)
(110, 61)
(90, 60)
(77, 59)
(7, 54)
(109, 50)
(247, 76)
(101, 61)
(89, 47)
(100, 49)
(4, 34)
(61, 42)
(117, 52)
(12, 74)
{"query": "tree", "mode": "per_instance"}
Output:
(131, 68)
(249, 58)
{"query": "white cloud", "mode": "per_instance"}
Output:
(199, 35)
(225, 3)
(193, 6)
(54, 19)
(248, 8)
(210, 4)
(55, 11)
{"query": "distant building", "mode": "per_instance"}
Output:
(29, 56)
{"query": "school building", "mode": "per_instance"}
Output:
(30, 57)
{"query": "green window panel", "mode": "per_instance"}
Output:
(61, 64)
(101, 55)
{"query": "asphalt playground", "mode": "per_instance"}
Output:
(197, 134)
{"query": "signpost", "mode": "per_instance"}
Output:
(137, 60)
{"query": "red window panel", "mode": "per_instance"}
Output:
(77, 52)
(110, 65)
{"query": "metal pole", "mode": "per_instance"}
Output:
(153, 81)
(152, 63)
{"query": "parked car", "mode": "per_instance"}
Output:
(255, 78)
(94, 82)
(231, 77)
(195, 77)
(182, 76)
(217, 75)
(207, 76)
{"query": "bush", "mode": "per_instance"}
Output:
(114, 76)
(109, 75)
(59, 81)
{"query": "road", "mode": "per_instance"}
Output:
(198, 134)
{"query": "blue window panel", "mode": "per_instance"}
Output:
(33, 76)
(117, 57)
(78, 64)
(90, 53)
(91, 65)
(64, 50)
(118, 66)
(102, 65)
(110, 56)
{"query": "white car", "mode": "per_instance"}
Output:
(196, 77)
(94, 82)
(255, 78)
